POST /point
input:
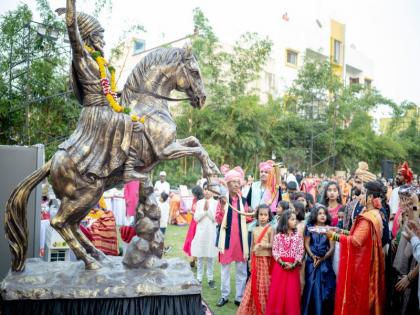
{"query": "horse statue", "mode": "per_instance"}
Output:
(146, 93)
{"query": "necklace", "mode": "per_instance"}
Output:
(109, 88)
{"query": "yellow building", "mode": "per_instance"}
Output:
(403, 123)
(337, 47)
(320, 37)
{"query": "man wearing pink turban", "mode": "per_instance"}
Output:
(232, 237)
(266, 190)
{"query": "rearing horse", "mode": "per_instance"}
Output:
(146, 93)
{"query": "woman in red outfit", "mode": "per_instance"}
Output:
(362, 258)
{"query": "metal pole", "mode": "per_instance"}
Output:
(27, 87)
(312, 149)
(334, 126)
(9, 114)
(312, 137)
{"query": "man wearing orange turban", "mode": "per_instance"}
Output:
(266, 190)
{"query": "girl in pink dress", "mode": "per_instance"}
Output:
(332, 200)
(284, 293)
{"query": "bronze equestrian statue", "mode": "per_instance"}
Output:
(108, 148)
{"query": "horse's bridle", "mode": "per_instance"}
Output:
(141, 91)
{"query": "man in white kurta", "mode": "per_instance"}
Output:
(203, 245)
(161, 185)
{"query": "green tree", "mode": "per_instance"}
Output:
(36, 105)
(232, 125)
(338, 127)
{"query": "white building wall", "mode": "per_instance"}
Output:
(303, 33)
(357, 60)
(298, 34)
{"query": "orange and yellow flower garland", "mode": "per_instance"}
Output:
(107, 88)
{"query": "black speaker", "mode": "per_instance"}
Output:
(387, 169)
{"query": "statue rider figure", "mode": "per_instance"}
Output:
(104, 141)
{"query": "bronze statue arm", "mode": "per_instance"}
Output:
(72, 28)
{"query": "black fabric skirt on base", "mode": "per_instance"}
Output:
(147, 305)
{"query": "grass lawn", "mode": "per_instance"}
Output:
(174, 237)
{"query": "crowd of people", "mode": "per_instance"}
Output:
(300, 244)
(308, 245)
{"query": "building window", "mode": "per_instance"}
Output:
(337, 52)
(354, 80)
(139, 45)
(269, 79)
(368, 83)
(291, 57)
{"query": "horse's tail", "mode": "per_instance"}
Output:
(15, 217)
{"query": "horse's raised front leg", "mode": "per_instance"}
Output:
(190, 147)
(189, 142)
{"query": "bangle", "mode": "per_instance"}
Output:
(409, 278)
(335, 237)
(345, 232)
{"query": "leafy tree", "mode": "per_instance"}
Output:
(338, 120)
(35, 104)
(232, 125)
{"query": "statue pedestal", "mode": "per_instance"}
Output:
(67, 288)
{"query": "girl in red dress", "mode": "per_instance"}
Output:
(284, 293)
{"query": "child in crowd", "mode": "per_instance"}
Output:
(281, 207)
(341, 213)
(198, 194)
(332, 200)
(318, 296)
(299, 209)
(164, 214)
(256, 292)
(203, 245)
(284, 293)
(302, 198)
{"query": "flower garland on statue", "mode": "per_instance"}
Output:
(110, 88)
